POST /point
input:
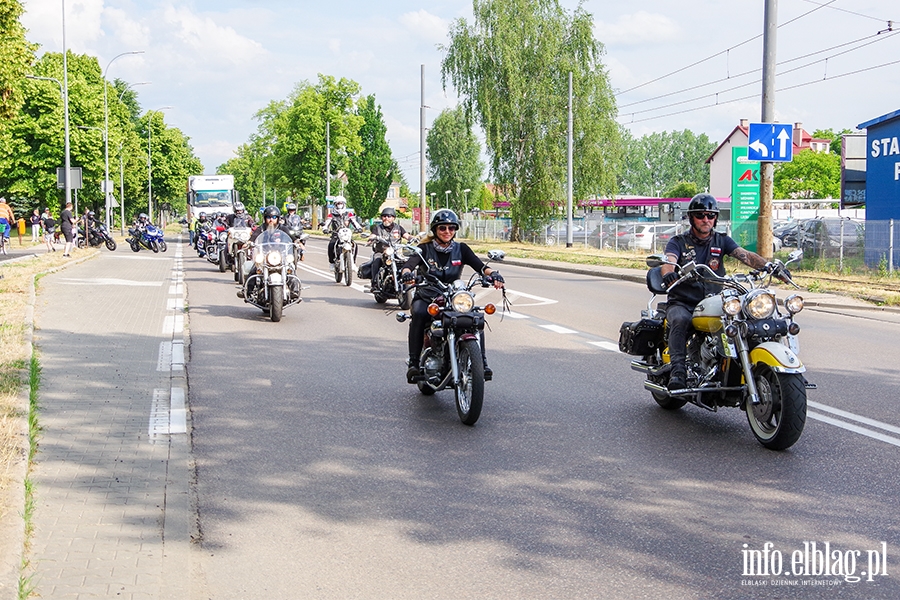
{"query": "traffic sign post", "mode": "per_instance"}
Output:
(770, 142)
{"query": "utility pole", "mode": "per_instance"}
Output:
(569, 238)
(767, 168)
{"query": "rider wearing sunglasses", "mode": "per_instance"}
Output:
(702, 244)
(443, 257)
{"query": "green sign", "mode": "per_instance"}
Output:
(744, 198)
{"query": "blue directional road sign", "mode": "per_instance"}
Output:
(770, 142)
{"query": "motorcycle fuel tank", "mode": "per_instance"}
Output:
(708, 315)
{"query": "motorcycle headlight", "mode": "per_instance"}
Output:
(259, 257)
(243, 236)
(759, 304)
(389, 251)
(273, 258)
(731, 306)
(793, 304)
(223, 236)
(463, 302)
(345, 235)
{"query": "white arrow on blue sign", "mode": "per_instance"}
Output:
(770, 142)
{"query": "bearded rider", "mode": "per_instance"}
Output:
(444, 257)
(272, 230)
(388, 228)
(339, 217)
(702, 244)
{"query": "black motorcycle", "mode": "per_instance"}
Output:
(98, 235)
(451, 355)
(386, 283)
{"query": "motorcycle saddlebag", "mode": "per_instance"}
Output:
(365, 270)
(641, 338)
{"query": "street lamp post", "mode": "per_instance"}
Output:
(150, 160)
(466, 198)
(433, 194)
(65, 99)
(106, 186)
(447, 199)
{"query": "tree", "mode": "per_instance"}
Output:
(829, 134)
(682, 189)
(370, 171)
(454, 157)
(510, 68)
(809, 175)
(659, 161)
(16, 57)
(172, 161)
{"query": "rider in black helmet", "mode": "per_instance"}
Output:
(387, 229)
(702, 244)
(444, 257)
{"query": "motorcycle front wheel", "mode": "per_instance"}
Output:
(337, 270)
(163, 246)
(276, 300)
(110, 244)
(222, 265)
(154, 245)
(348, 268)
(470, 387)
(778, 420)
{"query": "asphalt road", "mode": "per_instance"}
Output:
(321, 474)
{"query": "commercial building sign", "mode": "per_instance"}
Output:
(744, 198)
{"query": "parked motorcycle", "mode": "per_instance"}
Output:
(149, 237)
(386, 283)
(344, 254)
(97, 236)
(272, 283)
(451, 355)
(743, 352)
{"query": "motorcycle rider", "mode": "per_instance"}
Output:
(444, 257)
(386, 229)
(339, 217)
(702, 244)
(240, 218)
(202, 226)
(294, 223)
(274, 231)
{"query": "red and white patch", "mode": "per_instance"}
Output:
(456, 263)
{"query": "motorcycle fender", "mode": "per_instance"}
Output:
(347, 246)
(778, 356)
(468, 336)
(275, 279)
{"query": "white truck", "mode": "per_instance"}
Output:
(210, 194)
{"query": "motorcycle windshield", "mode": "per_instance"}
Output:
(271, 242)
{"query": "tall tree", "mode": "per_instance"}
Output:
(16, 57)
(172, 161)
(510, 68)
(809, 175)
(370, 171)
(834, 136)
(657, 162)
(454, 157)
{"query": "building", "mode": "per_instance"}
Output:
(720, 160)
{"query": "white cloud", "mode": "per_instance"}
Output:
(641, 27)
(129, 33)
(425, 25)
(207, 41)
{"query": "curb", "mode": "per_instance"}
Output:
(14, 529)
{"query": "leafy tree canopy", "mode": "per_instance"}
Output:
(809, 175)
(454, 159)
(370, 171)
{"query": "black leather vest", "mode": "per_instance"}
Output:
(448, 267)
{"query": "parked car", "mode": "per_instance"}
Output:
(650, 237)
(609, 235)
(554, 234)
(787, 233)
(824, 236)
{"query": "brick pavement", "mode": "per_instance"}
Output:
(111, 474)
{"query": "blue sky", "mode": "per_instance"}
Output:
(218, 62)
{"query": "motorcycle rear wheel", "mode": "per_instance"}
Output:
(348, 268)
(135, 245)
(778, 420)
(470, 387)
(276, 299)
(111, 244)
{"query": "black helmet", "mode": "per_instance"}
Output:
(388, 212)
(290, 206)
(445, 216)
(271, 212)
(703, 203)
(90, 213)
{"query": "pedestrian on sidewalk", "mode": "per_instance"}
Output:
(48, 223)
(35, 227)
(67, 226)
(6, 218)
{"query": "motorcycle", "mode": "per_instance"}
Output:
(237, 238)
(97, 235)
(149, 237)
(386, 283)
(345, 252)
(451, 354)
(272, 283)
(743, 352)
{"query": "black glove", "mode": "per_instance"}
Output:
(407, 277)
(496, 276)
(670, 278)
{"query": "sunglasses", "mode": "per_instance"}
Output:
(446, 228)
(709, 216)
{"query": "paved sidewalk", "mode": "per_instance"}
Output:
(112, 511)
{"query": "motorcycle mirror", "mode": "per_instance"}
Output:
(401, 317)
(655, 260)
(497, 255)
(795, 255)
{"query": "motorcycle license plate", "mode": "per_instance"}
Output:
(792, 342)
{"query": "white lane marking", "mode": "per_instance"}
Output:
(159, 413)
(557, 329)
(514, 315)
(513, 296)
(175, 303)
(164, 362)
(606, 346)
(177, 412)
(111, 281)
(176, 290)
(854, 417)
(178, 354)
(173, 324)
(855, 428)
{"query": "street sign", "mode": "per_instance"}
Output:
(770, 142)
(75, 173)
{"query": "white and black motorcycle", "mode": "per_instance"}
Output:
(386, 283)
(270, 278)
(743, 352)
(344, 256)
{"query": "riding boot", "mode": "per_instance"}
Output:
(413, 371)
(678, 379)
(488, 373)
